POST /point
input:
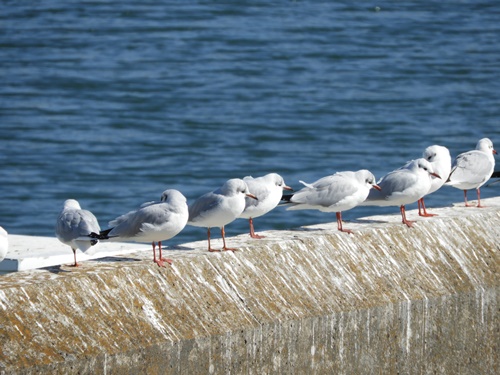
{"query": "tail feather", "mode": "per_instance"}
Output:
(102, 235)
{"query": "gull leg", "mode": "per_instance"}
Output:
(252, 231)
(74, 254)
(339, 223)
(225, 248)
(403, 215)
(424, 212)
(479, 199)
(159, 262)
(209, 248)
(169, 261)
(465, 199)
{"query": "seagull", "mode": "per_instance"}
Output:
(440, 159)
(4, 243)
(335, 193)
(471, 169)
(220, 207)
(153, 222)
(74, 227)
(268, 189)
(403, 186)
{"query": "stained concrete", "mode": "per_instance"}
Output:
(31, 252)
(385, 300)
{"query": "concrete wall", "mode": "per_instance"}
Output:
(385, 300)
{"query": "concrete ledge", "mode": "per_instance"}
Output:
(387, 299)
(31, 252)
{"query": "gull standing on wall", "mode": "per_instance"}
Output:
(153, 222)
(219, 208)
(472, 169)
(403, 186)
(74, 227)
(335, 193)
(268, 189)
(440, 159)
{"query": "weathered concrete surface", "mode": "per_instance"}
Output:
(31, 252)
(385, 300)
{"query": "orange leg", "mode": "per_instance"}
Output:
(403, 215)
(339, 223)
(421, 209)
(225, 248)
(159, 262)
(465, 199)
(252, 231)
(479, 199)
(169, 261)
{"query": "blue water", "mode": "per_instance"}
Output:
(113, 102)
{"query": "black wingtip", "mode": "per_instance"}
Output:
(102, 235)
(495, 174)
(286, 197)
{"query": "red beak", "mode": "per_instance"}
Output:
(435, 175)
(377, 187)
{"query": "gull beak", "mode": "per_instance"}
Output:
(435, 175)
(376, 187)
(495, 152)
(251, 196)
(287, 188)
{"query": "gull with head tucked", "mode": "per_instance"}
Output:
(268, 189)
(440, 159)
(74, 227)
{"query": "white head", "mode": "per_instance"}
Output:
(72, 203)
(436, 154)
(172, 195)
(424, 166)
(485, 145)
(277, 180)
(235, 186)
(366, 177)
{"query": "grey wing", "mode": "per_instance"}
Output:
(76, 223)
(129, 216)
(325, 192)
(132, 223)
(203, 205)
(394, 182)
(470, 167)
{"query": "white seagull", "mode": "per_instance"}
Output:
(471, 169)
(268, 189)
(4, 243)
(74, 227)
(403, 186)
(440, 159)
(335, 193)
(220, 207)
(153, 222)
